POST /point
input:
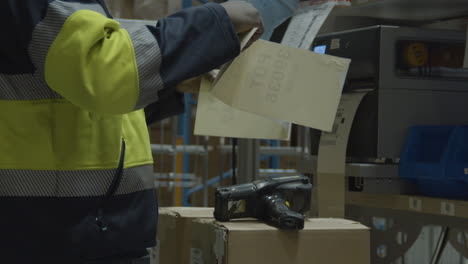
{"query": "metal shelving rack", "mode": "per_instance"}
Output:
(182, 146)
(397, 221)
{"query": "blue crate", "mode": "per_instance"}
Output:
(457, 161)
(435, 159)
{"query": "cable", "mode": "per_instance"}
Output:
(234, 161)
(222, 163)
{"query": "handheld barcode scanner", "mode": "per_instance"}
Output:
(281, 202)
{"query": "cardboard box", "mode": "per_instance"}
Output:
(323, 241)
(174, 233)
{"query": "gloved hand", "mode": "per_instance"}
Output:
(244, 17)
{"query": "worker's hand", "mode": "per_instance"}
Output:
(244, 17)
(193, 85)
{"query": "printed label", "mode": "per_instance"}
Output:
(415, 204)
(305, 25)
(447, 208)
(335, 44)
(269, 74)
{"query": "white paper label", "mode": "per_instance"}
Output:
(447, 208)
(196, 256)
(335, 44)
(415, 204)
(305, 25)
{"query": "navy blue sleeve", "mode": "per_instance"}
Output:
(170, 104)
(193, 41)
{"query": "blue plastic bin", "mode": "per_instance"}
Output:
(435, 159)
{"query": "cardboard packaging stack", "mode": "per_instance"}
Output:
(175, 232)
(192, 236)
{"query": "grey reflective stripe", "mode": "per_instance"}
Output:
(33, 86)
(47, 30)
(148, 57)
(87, 183)
(25, 87)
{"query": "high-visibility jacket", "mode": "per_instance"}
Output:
(76, 177)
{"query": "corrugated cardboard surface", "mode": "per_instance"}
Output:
(242, 242)
(175, 230)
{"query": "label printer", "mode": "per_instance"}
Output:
(413, 77)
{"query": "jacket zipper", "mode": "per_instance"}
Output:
(116, 180)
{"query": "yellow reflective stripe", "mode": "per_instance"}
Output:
(57, 135)
(92, 64)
